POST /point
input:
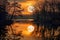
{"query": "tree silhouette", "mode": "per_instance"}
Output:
(3, 21)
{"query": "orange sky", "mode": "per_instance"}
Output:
(25, 5)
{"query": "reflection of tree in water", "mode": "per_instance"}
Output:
(49, 16)
(3, 21)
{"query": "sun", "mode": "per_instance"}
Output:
(31, 8)
(30, 28)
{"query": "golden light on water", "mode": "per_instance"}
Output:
(30, 28)
(25, 28)
(26, 33)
